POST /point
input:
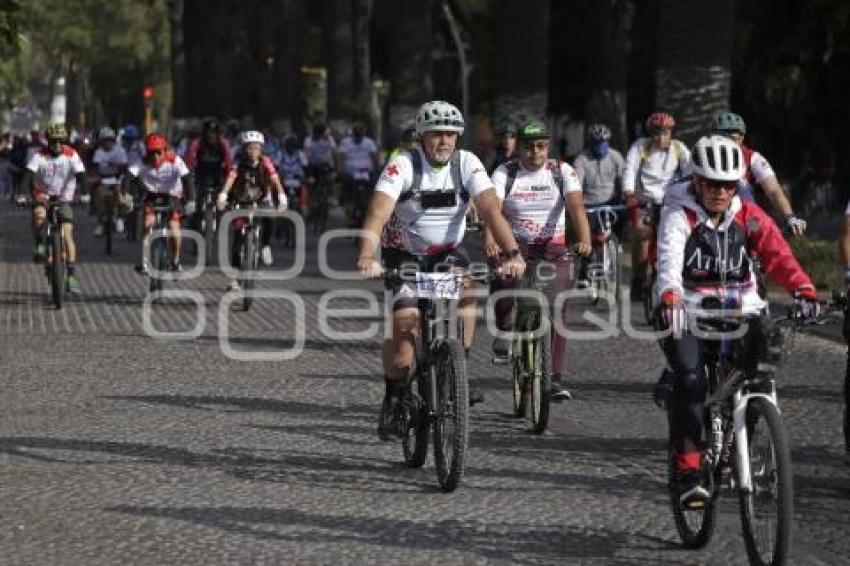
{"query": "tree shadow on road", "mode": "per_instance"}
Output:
(518, 543)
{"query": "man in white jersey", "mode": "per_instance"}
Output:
(52, 175)
(165, 177)
(536, 192)
(651, 163)
(428, 190)
(110, 159)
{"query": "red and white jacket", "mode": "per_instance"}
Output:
(696, 259)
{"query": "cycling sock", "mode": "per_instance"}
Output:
(39, 239)
(71, 267)
(466, 353)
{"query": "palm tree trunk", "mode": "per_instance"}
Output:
(693, 74)
(611, 23)
(338, 46)
(522, 74)
(409, 60)
(178, 58)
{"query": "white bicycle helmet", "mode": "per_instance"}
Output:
(439, 116)
(252, 136)
(717, 158)
(106, 133)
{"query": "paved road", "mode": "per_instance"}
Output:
(118, 448)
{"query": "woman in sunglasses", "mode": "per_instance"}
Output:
(707, 236)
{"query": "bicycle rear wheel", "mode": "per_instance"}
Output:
(57, 270)
(451, 429)
(766, 511)
(648, 307)
(541, 382)
(249, 264)
(695, 526)
(416, 425)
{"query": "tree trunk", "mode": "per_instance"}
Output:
(178, 59)
(288, 56)
(692, 78)
(610, 22)
(521, 77)
(361, 12)
(409, 60)
(338, 46)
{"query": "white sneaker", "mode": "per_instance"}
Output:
(98, 231)
(119, 225)
(266, 255)
(233, 285)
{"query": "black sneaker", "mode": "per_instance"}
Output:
(557, 391)
(475, 396)
(388, 419)
(176, 267)
(663, 388)
(692, 494)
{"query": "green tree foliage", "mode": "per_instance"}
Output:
(108, 51)
(791, 75)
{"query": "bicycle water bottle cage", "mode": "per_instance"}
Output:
(438, 199)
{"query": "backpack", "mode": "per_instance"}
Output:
(554, 166)
(675, 150)
(416, 185)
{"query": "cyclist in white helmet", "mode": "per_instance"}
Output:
(110, 159)
(707, 237)
(428, 191)
(254, 179)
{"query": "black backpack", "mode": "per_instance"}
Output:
(454, 171)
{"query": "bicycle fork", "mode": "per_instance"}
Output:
(742, 441)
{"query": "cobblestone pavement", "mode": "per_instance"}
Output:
(118, 448)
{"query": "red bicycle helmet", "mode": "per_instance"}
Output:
(660, 121)
(154, 142)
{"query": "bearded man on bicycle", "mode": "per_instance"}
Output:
(535, 193)
(707, 239)
(429, 190)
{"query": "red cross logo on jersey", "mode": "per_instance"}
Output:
(392, 170)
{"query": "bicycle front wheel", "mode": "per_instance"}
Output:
(451, 428)
(249, 264)
(209, 233)
(541, 382)
(57, 270)
(766, 510)
(159, 258)
(520, 399)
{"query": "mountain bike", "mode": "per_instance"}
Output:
(531, 352)
(747, 444)
(248, 228)
(159, 237)
(55, 266)
(319, 203)
(437, 393)
(603, 271)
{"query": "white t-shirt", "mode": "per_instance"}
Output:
(164, 179)
(648, 171)
(759, 168)
(108, 163)
(358, 156)
(535, 208)
(57, 174)
(321, 151)
(424, 231)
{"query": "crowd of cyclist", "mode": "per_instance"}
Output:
(691, 213)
